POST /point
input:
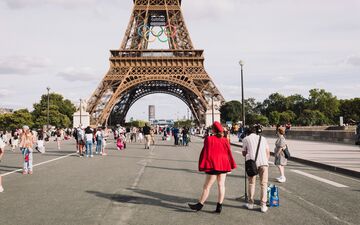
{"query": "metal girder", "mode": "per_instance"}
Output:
(136, 71)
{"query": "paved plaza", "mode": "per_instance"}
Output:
(139, 186)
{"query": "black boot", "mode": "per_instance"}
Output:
(196, 207)
(218, 208)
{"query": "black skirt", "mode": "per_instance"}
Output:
(215, 172)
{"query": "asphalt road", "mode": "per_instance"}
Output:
(139, 186)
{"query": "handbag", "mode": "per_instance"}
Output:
(250, 165)
(287, 152)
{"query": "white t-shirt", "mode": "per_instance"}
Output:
(88, 137)
(250, 144)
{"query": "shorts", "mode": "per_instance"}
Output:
(215, 172)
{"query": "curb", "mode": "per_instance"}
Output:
(347, 172)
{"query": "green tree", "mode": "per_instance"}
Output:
(274, 118)
(17, 119)
(60, 111)
(296, 103)
(286, 117)
(350, 110)
(275, 102)
(312, 118)
(231, 111)
(324, 102)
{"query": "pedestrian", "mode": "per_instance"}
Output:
(26, 147)
(280, 160)
(99, 136)
(184, 134)
(89, 138)
(74, 134)
(40, 142)
(14, 140)
(2, 147)
(216, 161)
(147, 135)
(175, 133)
(81, 140)
(152, 134)
(58, 137)
(106, 136)
(357, 132)
(250, 145)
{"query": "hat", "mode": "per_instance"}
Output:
(218, 127)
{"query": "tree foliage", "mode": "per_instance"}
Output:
(320, 108)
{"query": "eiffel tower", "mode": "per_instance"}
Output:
(137, 71)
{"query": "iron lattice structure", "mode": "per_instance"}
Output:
(137, 71)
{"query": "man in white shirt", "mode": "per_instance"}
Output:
(250, 144)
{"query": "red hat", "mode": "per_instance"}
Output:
(218, 127)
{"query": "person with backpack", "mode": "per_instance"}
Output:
(99, 136)
(256, 147)
(81, 140)
(147, 135)
(89, 138)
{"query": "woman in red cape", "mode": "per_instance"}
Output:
(216, 161)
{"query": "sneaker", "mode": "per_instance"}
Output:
(249, 206)
(91, 156)
(96, 153)
(30, 172)
(282, 180)
(264, 208)
(87, 156)
(80, 156)
(104, 153)
(1, 189)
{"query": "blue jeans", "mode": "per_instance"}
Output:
(88, 147)
(28, 166)
(98, 146)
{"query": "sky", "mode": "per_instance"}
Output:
(288, 46)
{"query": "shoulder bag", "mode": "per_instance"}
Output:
(250, 165)
(287, 152)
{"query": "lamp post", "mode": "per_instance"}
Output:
(80, 112)
(242, 93)
(241, 63)
(48, 106)
(212, 109)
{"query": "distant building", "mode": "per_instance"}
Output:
(162, 123)
(6, 110)
(151, 113)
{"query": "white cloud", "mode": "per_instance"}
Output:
(79, 74)
(4, 93)
(22, 65)
(354, 60)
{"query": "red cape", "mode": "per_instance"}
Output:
(216, 155)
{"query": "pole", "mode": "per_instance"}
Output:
(243, 121)
(48, 106)
(80, 113)
(242, 95)
(212, 109)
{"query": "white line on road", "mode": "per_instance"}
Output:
(320, 179)
(39, 164)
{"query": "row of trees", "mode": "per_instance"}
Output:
(60, 114)
(320, 108)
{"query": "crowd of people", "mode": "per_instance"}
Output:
(216, 159)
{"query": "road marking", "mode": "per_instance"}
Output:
(320, 179)
(315, 206)
(39, 164)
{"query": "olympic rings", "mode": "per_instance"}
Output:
(169, 31)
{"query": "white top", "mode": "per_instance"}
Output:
(250, 144)
(88, 137)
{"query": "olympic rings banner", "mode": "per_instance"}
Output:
(163, 34)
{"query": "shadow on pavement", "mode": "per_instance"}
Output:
(155, 201)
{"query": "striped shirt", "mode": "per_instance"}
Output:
(250, 144)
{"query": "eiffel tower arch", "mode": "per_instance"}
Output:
(137, 71)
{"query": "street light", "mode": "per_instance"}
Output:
(80, 112)
(48, 105)
(242, 92)
(241, 63)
